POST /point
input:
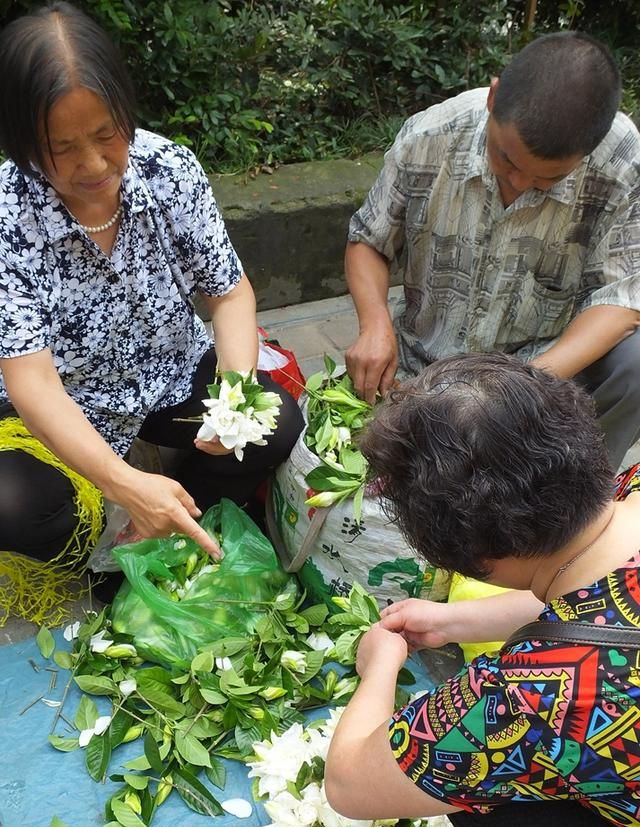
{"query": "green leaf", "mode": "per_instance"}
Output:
(64, 744)
(195, 794)
(213, 697)
(314, 665)
(63, 659)
(156, 695)
(203, 662)
(314, 382)
(138, 782)
(119, 727)
(192, 750)
(55, 822)
(125, 815)
(152, 753)
(329, 365)
(358, 498)
(87, 714)
(227, 647)
(139, 763)
(315, 615)
(95, 685)
(217, 773)
(46, 643)
(97, 756)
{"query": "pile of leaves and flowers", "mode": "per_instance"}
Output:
(246, 698)
(335, 417)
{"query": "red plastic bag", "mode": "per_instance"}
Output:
(288, 374)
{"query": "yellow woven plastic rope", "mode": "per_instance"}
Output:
(36, 590)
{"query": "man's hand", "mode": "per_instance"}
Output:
(159, 506)
(379, 646)
(372, 361)
(422, 623)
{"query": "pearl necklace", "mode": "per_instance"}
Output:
(102, 227)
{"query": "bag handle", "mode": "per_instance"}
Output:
(577, 632)
(295, 563)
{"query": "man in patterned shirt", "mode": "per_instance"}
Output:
(512, 217)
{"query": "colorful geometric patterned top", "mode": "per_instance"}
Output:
(540, 720)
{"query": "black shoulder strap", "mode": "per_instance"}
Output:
(627, 637)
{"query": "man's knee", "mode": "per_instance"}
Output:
(616, 376)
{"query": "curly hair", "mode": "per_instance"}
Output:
(483, 457)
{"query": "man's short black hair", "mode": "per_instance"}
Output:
(45, 55)
(482, 457)
(561, 92)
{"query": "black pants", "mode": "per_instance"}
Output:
(37, 508)
(543, 814)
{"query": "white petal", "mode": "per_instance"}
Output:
(223, 663)
(71, 631)
(101, 724)
(128, 686)
(85, 736)
(238, 807)
(98, 642)
(49, 702)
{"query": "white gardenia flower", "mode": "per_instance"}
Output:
(97, 729)
(99, 643)
(279, 760)
(71, 631)
(320, 641)
(127, 687)
(295, 661)
(287, 811)
(231, 394)
(223, 663)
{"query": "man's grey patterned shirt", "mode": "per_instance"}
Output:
(478, 276)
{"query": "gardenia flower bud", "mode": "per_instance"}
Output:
(345, 686)
(133, 800)
(132, 733)
(121, 650)
(324, 498)
(296, 661)
(270, 693)
(164, 788)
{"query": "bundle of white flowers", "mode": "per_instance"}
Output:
(289, 769)
(239, 411)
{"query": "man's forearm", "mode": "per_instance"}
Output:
(591, 335)
(367, 273)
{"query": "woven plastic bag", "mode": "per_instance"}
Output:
(329, 551)
(224, 602)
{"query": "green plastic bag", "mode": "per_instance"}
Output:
(225, 602)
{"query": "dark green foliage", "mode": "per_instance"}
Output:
(257, 82)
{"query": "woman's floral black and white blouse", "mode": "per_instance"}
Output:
(124, 336)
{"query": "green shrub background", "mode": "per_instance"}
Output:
(249, 84)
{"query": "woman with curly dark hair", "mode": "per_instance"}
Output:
(497, 470)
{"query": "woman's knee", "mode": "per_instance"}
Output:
(290, 422)
(37, 506)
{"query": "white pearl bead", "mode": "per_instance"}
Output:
(101, 227)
